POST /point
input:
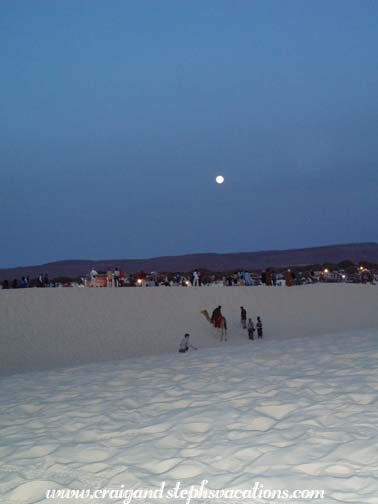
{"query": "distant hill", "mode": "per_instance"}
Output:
(357, 252)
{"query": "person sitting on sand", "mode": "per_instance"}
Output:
(259, 328)
(185, 345)
(251, 329)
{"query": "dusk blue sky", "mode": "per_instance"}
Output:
(116, 116)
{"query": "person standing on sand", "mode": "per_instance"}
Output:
(93, 274)
(259, 328)
(251, 329)
(109, 278)
(243, 317)
(274, 279)
(121, 278)
(116, 275)
(195, 279)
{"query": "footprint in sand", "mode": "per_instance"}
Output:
(235, 435)
(322, 390)
(161, 466)
(278, 411)
(151, 429)
(261, 423)
(311, 469)
(35, 452)
(364, 399)
(191, 452)
(239, 403)
(179, 377)
(30, 408)
(340, 470)
(186, 470)
(81, 453)
(94, 468)
(248, 454)
(197, 427)
(31, 492)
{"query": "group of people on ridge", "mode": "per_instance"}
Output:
(185, 345)
(250, 326)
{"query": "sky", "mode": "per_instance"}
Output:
(116, 117)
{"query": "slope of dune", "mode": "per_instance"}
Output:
(49, 328)
(296, 414)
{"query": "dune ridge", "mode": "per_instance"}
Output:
(51, 328)
(356, 252)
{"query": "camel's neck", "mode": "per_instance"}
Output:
(205, 313)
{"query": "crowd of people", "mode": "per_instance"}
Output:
(116, 277)
(269, 278)
(25, 281)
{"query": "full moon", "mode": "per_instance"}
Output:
(219, 179)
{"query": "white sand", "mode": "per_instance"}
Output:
(297, 410)
(291, 414)
(48, 328)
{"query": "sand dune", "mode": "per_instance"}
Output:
(286, 413)
(49, 328)
(288, 416)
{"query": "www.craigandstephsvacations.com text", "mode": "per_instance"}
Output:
(179, 492)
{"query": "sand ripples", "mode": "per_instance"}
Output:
(294, 414)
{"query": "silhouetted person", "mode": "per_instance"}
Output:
(268, 278)
(243, 317)
(116, 276)
(263, 277)
(259, 326)
(274, 279)
(216, 314)
(251, 329)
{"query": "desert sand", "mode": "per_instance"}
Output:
(297, 414)
(296, 411)
(50, 328)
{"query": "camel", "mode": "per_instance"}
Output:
(220, 324)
